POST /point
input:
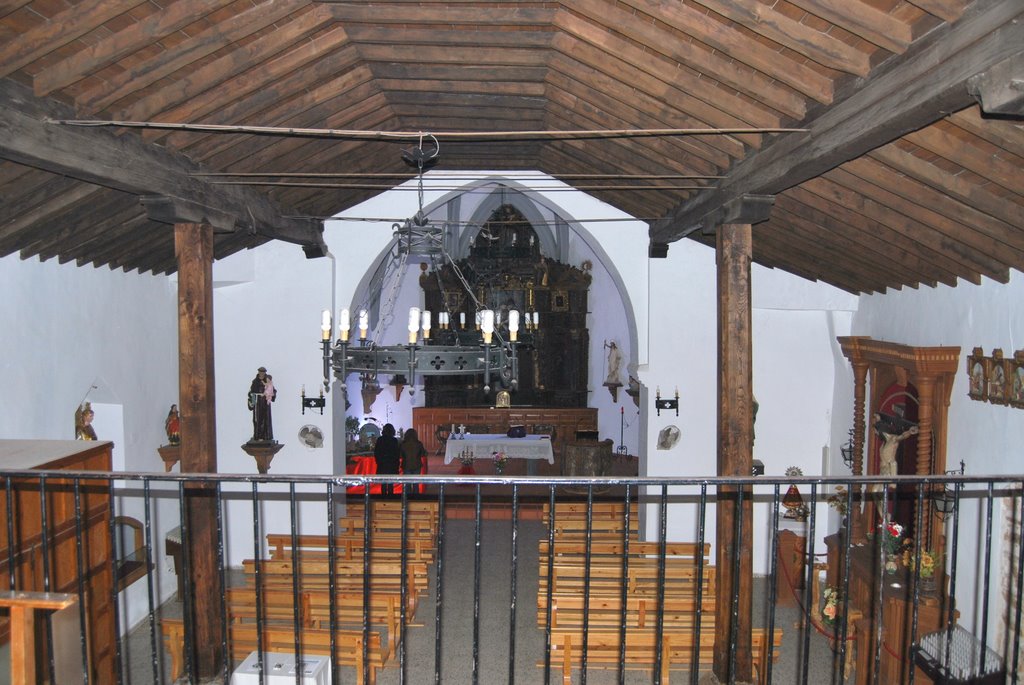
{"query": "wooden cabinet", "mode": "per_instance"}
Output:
(73, 552)
(564, 422)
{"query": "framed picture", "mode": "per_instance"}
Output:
(559, 300)
(1017, 378)
(976, 368)
(998, 376)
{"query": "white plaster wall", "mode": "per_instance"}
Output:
(986, 437)
(71, 333)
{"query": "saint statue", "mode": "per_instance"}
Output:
(172, 424)
(261, 393)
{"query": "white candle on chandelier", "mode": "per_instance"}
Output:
(364, 323)
(536, 319)
(325, 324)
(487, 324)
(513, 324)
(426, 324)
(478, 319)
(462, 320)
(414, 324)
(344, 324)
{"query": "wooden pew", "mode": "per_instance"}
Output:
(349, 547)
(278, 605)
(385, 577)
(611, 551)
(606, 520)
(243, 640)
(678, 649)
(605, 613)
(642, 577)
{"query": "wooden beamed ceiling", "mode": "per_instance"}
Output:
(896, 175)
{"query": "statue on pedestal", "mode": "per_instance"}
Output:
(261, 393)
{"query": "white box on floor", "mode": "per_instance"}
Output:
(280, 670)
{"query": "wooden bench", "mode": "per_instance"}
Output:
(349, 547)
(677, 650)
(642, 577)
(314, 574)
(314, 609)
(243, 640)
(606, 520)
(605, 613)
(611, 551)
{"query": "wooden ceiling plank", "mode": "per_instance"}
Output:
(415, 38)
(972, 244)
(92, 238)
(806, 40)
(737, 45)
(59, 30)
(940, 141)
(916, 257)
(11, 6)
(673, 94)
(788, 250)
(880, 215)
(866, 255)
(946, 10)
(580, 37)
(632, 105)
(457, 55)
(515, 89)
(80, 225)
(787, 99)
(860, 18)
(952, 185)
(125, 163)
(485, 14)
(699, 158)
(124, 42)
(904, 94)
(1005, 133)
(467, 72)
(22, 227)
(1006, 236)
(211, 40)
(237, 72)
(157, 242)
(310, 108)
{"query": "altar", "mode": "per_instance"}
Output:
(485, 445)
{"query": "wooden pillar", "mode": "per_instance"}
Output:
(925, 426)
(860, 376)
(735, 455)
(193, 245)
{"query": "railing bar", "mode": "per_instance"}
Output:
(773, 568)
(218, 496)
(918, 548)
(987, 577)
(45, 547)
(80, 555)
(1020, 587)
(660, 619)
(257, 543)
(877, 541)
(477, 514)
(701, 538)
(187, 601)
(367, 541)
(625, 588)
(550, 584)
(847, 545)
(402, 588)
(154, 644)
(296, 565)
(9, 489)
(440, 585)
(951, 617)
(112, 569)
(513, 588)
(587, 548)
(734, 602)
(332, 579)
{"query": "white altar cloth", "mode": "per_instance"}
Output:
(484, 446)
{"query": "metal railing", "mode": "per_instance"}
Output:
(979, 597)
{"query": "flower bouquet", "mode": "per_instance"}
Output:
(830, 608)
(500, 460)
(892, 537)
(837, 500)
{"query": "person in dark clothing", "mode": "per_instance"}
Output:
(414, 456)
(387, 456)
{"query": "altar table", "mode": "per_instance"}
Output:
(484, 446)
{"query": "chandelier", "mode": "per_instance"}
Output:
(451, 348)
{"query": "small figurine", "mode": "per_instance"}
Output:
(83, 423)
(260, 398)
(173, 426)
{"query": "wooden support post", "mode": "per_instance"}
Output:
(860, 376)
(194, 250)
(735, 456)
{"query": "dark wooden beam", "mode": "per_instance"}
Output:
(126, 163)
(908, 92)
(747, 209)
(196, 400)
(734, 536)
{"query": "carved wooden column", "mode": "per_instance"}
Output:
(925, 440)
(193, 244)
(735, 455)
(860, 375)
